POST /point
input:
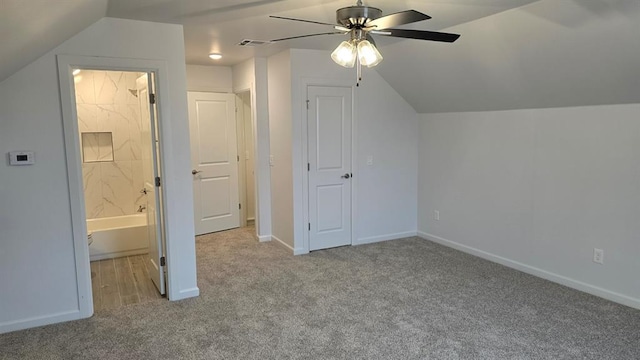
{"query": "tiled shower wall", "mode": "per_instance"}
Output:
(107, 103)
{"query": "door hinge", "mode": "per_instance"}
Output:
(152, 98)
(158, 183)
(307, 104)
(238, 156)
(163, 261)
(308, 166)
(309, 226)
(240, 206)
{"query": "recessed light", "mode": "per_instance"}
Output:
(76, 72)
(215, 56)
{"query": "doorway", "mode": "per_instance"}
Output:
(119, 142)
(329, 146)
(246, 166)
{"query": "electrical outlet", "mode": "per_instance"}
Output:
(598, 256)
(370, 160)
(436, 215)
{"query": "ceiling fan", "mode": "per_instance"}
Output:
(360, 22)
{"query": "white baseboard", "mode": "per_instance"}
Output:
(283, 244)
(264, 238)
(118, 254)
(375, 239)
(186, 293)
(578, 285)
(299, 251)
(40, 321)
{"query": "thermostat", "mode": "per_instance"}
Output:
(22, 158)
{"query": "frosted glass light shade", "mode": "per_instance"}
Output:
(368, 54)
(345, 54)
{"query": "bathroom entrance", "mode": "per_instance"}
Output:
(119, 142)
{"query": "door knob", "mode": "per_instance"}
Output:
(346, 176)
(193, 172)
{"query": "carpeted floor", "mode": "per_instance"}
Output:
(404, 299)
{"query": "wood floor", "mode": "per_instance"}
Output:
(120, 282)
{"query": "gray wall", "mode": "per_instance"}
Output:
(538, 190)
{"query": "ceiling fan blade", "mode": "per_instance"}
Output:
(397, 19)
(309, 35)
(420, 35)
(301, 20)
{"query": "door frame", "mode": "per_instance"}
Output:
(254, 139)
(305, 83)
(241, 134)
(66, 64)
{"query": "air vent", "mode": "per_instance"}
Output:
(249, 42)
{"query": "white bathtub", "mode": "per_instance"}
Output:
(118, 236)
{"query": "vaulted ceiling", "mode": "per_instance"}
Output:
(512, 53)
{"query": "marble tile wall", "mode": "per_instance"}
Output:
(105, 104)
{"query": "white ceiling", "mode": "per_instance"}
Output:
(30, 28)
(218, 26)
(512, 53)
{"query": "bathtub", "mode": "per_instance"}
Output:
(118, 236)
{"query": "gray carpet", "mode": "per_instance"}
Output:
(404, 299)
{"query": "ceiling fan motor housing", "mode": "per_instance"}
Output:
(356, 16)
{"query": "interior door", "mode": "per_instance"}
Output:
(329, 150)
(214, 159)
(150, 171)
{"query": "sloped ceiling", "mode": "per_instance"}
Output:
(552, 53)
(30, 28)
(512, 53)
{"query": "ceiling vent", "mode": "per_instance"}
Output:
(249, 42)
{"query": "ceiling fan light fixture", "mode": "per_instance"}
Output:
(345, 54)
(368, 54)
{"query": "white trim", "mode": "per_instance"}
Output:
(264, 238)
(187, 293)
(40, 321)
(305, 83)
(117, 254)
(562, 280)
(380, 238)
(74, 170)
(273, 237)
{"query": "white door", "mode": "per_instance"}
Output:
(214, 160)
(150, 171)
(329, 146)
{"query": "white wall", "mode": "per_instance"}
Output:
(280, 127)
(386, 128)
(37, 265)
(209, 78)
(252, 75)
(539, 190)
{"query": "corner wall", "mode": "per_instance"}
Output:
(252, 75)
(280, 128)
(538, 190)
(37, 265)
